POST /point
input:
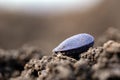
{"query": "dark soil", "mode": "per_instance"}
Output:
(99, 63)
(12, 62)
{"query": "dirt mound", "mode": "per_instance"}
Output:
(12, 62)
(100, 63)
(28, 63)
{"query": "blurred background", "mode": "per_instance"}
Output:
(46, 23)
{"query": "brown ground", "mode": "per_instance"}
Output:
(99, 63)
